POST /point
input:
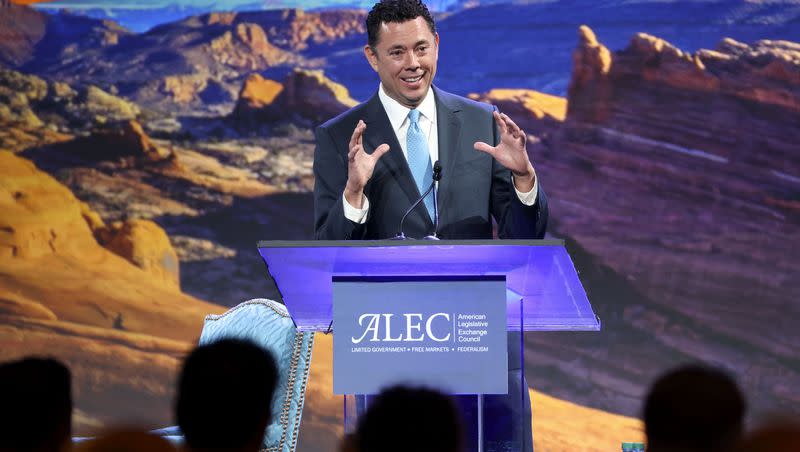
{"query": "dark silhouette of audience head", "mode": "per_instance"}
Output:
(693, 408)
(224, 396)
(36, 405)
(402, 419)
(775, 436)
(349, 443)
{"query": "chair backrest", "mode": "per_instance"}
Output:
(267, 323)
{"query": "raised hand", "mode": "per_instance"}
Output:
(511, 152)
(360, 165)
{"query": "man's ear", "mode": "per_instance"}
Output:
(372, 57)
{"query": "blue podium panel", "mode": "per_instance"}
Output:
(449, 334)
(543, 289)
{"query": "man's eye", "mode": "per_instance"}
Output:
(422, 49)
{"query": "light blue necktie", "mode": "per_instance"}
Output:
(419, 158)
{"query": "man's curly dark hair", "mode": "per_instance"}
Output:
(395, 11)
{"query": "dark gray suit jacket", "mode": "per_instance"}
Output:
(473, 189)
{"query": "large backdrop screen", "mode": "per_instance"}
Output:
(146, 147)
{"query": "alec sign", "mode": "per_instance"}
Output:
(445, 334)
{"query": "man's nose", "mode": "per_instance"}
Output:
(413, 62)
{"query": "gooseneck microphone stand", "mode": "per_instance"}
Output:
(437, 175)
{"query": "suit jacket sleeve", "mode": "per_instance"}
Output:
(330, 177)
(514, 219)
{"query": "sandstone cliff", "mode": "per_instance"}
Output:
(676, 176)
(30, 102)
(121, 323)
(303, 94)
(536, 113)
(193, 63)
(35, 38)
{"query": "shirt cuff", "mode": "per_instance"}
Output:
(359, 215)
(528, 198)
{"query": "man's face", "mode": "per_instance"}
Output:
(405, 59)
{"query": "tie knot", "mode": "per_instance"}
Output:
(413, 116)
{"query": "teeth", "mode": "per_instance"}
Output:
(412, 80)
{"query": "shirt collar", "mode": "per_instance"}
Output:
(398, 113)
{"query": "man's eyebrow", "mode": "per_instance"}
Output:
(400, 46)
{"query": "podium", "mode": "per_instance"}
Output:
(532, 282)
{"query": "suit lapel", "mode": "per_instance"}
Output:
(379, 131)
(449, 130)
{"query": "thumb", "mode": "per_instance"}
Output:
(483, 147)
(380, 151)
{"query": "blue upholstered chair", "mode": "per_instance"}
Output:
(267, 323)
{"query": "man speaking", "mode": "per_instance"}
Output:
(374, 161)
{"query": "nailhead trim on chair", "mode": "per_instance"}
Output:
(284, 419)
(306, 370)
(287, 405)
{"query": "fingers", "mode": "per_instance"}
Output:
(356, 146)
(512, 127)
(356, 139)
(500, 122)
(354, 136)
(516, 132)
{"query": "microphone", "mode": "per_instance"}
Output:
(437, 174)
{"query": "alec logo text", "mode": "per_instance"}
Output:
(409, 327)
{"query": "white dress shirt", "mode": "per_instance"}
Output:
(398, 117)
